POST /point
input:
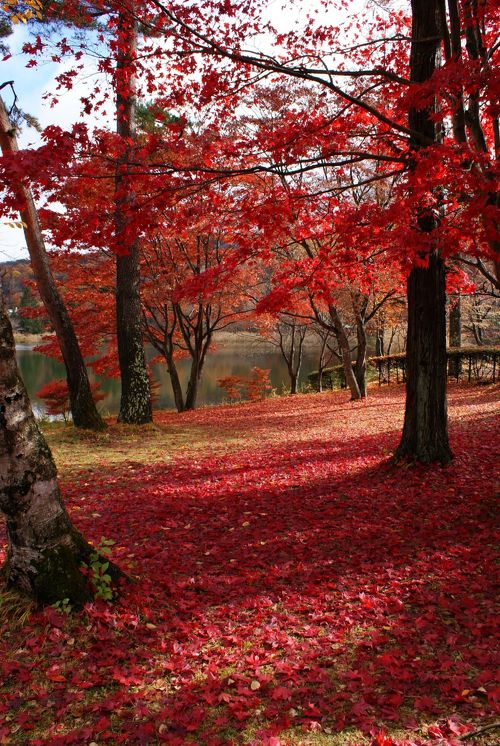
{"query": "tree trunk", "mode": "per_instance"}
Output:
(345, 349)
(360, 366)
(192, 386)
(135, 404)
(379, 342)
(83, 409)
(294, 389)
(321, 366)
(478, 334)
(45, 551)
(295, 365)
(425, 436)
(174, 376)
(455, 334)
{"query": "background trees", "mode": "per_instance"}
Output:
(340, 120)
(406, 118)
(188, 292)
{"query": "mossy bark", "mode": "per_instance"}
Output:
(45, 551)
(135, 404)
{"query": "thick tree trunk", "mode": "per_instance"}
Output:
(82, 405)
(45, 551)
(425, 436)
(135, 404)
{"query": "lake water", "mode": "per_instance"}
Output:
(235, 357)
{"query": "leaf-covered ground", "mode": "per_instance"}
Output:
(291, 586)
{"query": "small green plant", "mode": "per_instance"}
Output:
(63, 606)
(96, 570)
(283, 389)
(305, 388)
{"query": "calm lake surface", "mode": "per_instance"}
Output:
(234, 357)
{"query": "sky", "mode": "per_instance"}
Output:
(31, 86)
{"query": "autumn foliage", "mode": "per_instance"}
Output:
(322, 589)
(289, 581)
(254, 387)
(55, 395)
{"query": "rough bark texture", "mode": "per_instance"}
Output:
(83, 409)
(135, 404)
(425, 436)
(45, 551)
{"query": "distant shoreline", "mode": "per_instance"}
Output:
(222, 339)
(27, 340)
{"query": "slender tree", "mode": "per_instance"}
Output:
(288, 335)
(82, 405)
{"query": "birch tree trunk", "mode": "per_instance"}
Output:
(45, 551)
